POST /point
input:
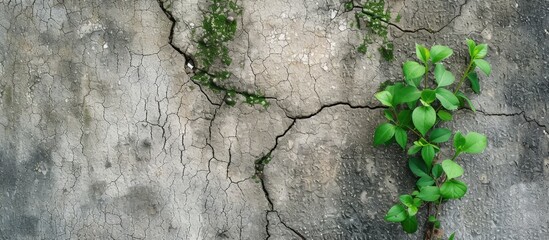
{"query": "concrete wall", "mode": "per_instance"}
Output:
(103, 134)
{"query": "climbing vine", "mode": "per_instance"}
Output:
(219, 27)
(374, 18)
(415, 107)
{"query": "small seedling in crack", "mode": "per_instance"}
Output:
(414, 108)
(260, 166)
(374, 18)
(219, 27)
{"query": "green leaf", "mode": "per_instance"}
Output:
(459, 141)
(401, 137)
(397, 213)
(407, 200)
(432, 219)
(424, 118)
(483, 65)
(440, 135)
(422, 142)
(480, 51)
(384, 133)
(413, 70)
(437, 171)
(416, 82)
(474, 143)
(473, 78)
(452, 236)
(414, 149)
(447, 99)
(425, 181)
(444, 78)
(418, 167)
(428, 154)
(452, 169)
(444, 115)
(388, 114)
(412, 210)
(405, 118)
(385, 97)
(406, 94)
(429, 193)
(428, 95)
(417, 201)
(453, 189)
(422, 53)
(471, 44)
(437, 224)
(410, 224)
(463, 99)
(439, 53)
(439, 70)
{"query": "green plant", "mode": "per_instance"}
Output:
(375, 19)
(415, 107)
(259, 165)
(219, 27)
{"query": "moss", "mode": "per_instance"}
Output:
(260, 165)
(386, 51)
(374, 18)
(219, 28)
(384, 85)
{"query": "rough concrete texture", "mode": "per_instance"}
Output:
(104, 135)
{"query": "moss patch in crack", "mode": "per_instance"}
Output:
(374, 18)
(219, 27)
(260, 166)
(386, 51)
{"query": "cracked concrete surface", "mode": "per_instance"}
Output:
(104, 135)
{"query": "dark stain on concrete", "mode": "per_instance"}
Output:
(8, 172)
(525, 87)
(28, 225)
(142, 200)
(146, 143)
(533, 151)
(96, 190)
(108, 164)
(26, 183)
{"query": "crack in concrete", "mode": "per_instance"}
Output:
(521, 113)
(295, 119)
(431, 31)
(266, 192)
(271, 209)
(189, 61)
(335, 104)
(190, 65)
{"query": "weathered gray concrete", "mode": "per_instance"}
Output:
(104, 135)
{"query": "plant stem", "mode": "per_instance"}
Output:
(414, 131)
(398, 123)
(464, 76)
(427, 235)
(426, 77)
(461, 80)
(455, 156)
(438, 207)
